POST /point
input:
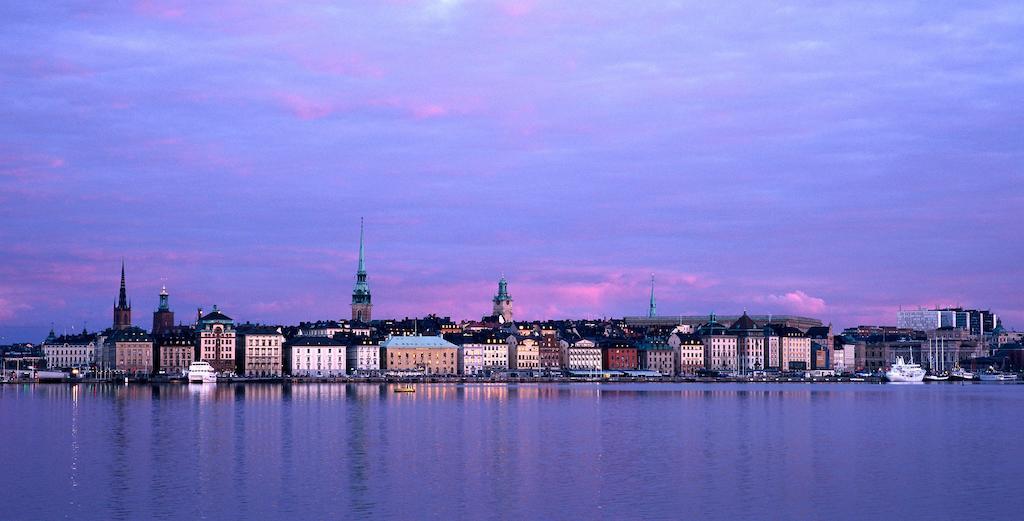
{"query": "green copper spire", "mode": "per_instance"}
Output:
(361, 291)
(502, 290)
(652, 311)
(362, 261)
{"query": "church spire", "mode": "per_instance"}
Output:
(123, 309)
(652, 311)
(362, 260)
(122, 298)
(361, 301)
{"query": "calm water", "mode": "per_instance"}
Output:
(651, 451)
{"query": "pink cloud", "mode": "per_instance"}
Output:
(517, 8)
(795, 301)
(165, 10)
(304, 107)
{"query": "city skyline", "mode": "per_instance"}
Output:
(826, 160)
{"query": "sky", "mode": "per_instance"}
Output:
(829, 159)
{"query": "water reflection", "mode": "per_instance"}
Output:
(505, 451)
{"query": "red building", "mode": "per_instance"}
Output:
(550, 352)
(618, 355)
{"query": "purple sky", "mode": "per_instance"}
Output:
(836, 161)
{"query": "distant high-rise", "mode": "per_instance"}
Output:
(361, 301)
(163, 317)
(123, 309)
(503, 302)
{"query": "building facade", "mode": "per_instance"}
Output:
(655, 354)
(523, 353)
(259, 350)
(175, 350)
(618, 354)
(689, 349)
(582, 354)
(363, 356)
(316, 357)
(215, 341)
(70, 351)
(132, 351)
(429, 355)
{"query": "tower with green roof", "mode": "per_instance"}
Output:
(361, 301)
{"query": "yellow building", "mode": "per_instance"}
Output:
(430, 355)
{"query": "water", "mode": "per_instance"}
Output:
(604, 451)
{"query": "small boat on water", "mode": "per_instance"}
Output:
(960, 374)
(405, 389)
(201, 373)
(904, 372)
(936, 377)
(996, 376)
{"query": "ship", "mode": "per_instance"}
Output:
(201, 373)
(905, 371)
(991, 375)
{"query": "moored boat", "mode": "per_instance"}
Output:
(936, 377)
(960, 374)
(201, 373)
(904, 372)
(996, 376)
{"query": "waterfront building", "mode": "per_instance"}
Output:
(655, 354)
(259, 350)
(502, 308)
(175, 350)
(131, 350)
(163, 317)
(794, 347)
(689, 352)
(471, 355)
(523, 353)
(362, 305)
(582, 354)
(215, 340)
(720, 347)
(750, 344)
(70, 351)
(496, 351)
(316, 356)
(363, 356)
(123, 308)
(430, 355)
(618, 354)
(549, 350)
(843, 358)
(821, 347)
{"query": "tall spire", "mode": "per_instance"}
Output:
(362, 261)
(122, 298)
(361, 301)
(652, 311)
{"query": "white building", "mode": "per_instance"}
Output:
(259, 350)
(70, 351)
(471, 358)
(844, 358)
(582, 354)
(363, 357)
(316, 356)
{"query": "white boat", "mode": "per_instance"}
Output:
(996, 376)
(905, 372)
(201, 373)
(936, 377)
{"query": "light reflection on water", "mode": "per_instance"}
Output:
(510, 451)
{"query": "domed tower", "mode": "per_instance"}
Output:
(163, 317)
(503, 302)
(361, 301)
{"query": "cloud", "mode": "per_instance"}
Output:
(796, 302)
